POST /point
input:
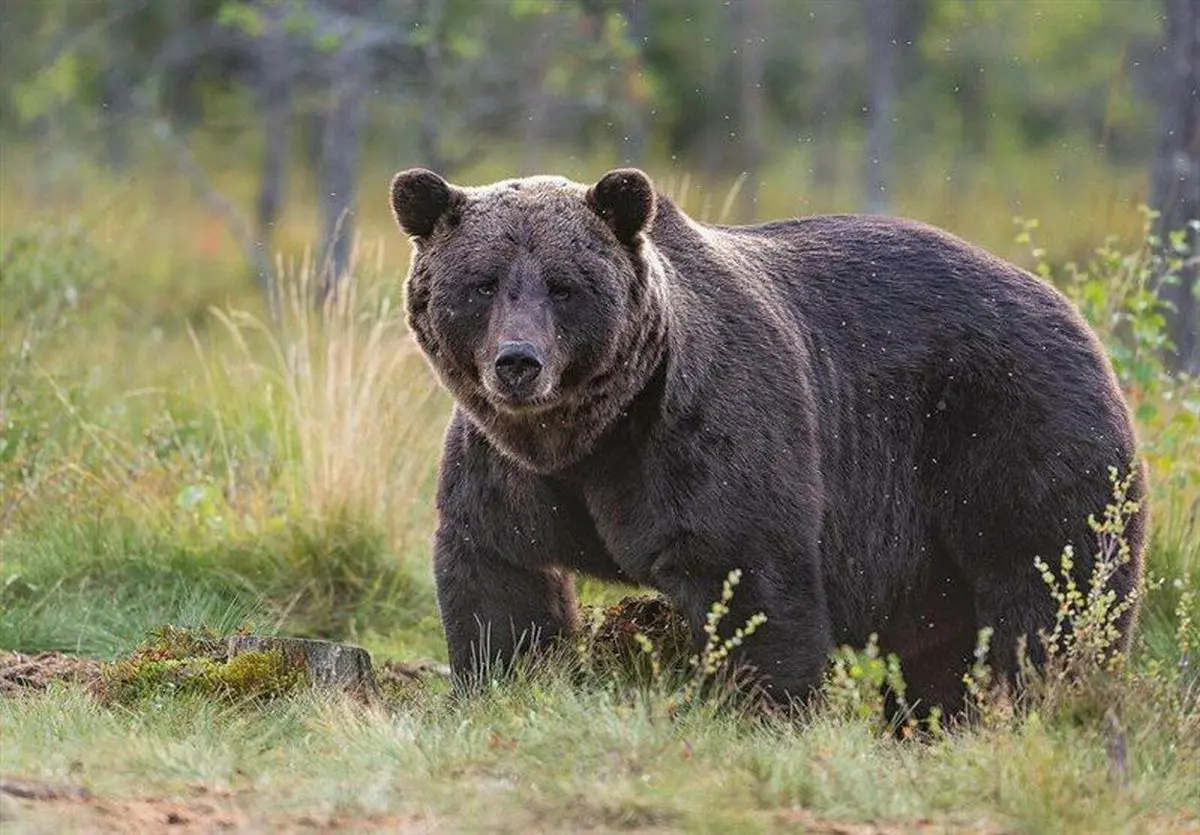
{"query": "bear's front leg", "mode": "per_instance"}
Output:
(494, 610)
(788, 653)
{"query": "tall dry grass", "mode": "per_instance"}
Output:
(355, 417)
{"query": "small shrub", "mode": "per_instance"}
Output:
(1087, 679)
(1118, 291)
(864, 685)
(1085, 632)
(715, 680)
(715, 654)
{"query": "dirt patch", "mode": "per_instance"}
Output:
(37, 790)
(22, 674)
(44, 807)
(803, 820)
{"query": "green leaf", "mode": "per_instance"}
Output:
(239, 15)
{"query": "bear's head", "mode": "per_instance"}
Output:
(537, 301)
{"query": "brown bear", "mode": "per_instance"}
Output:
(879, 423)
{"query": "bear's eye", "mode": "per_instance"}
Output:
(560, 292)
(487, 288)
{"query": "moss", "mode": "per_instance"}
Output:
(134, 680)
(255, 675)
(178, 661)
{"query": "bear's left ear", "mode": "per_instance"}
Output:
(624, 199)
(420, 198)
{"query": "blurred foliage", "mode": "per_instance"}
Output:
(1002, 108)
(1118, 290)
(990, 75)
(49, 275)
(1028, 74)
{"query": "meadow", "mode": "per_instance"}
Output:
(172, 454)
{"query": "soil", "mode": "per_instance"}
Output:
(653, 617)
(43, 807)
(403, 674)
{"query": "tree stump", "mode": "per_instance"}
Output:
(325, 664)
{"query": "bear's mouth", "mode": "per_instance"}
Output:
(521, 404)
(532, 397)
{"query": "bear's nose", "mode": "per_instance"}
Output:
(517, 363)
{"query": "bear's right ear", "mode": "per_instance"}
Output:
(624, 199)
(419, 200)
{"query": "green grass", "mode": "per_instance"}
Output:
(554, 755)
(96, 587)
(168, 458)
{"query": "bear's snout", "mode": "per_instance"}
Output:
(518, 364)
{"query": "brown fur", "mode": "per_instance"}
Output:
(881, 424)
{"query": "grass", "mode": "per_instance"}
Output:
(166, 456)
(499, 764)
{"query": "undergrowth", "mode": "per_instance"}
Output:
(277, 475)
(282, 477)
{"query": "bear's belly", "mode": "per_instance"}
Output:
(655, 532)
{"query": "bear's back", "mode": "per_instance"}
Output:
(882, 294)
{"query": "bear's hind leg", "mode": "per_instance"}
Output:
(934, 635)
(996, 553)
(994, 549)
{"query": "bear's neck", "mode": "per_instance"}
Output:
(553, 441)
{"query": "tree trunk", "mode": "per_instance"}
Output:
(117, 93)
(634, 146)
(433, 13)
(275, 91)
(831, 25)
(882, 24)
(537, 100)
(238, 225)
(276, 99)
(751, 30)
(310, 125)
(339, 161)
(1177, 169)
